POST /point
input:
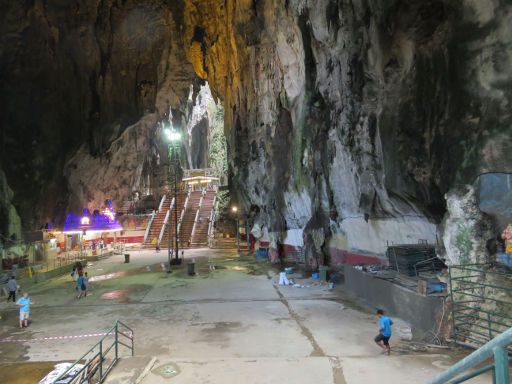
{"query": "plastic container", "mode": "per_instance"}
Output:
(261, 253)
(191, 269)
(315, 276)
(322, 270)
(288, 270)
(435, 287)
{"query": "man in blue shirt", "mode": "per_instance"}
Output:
(384, 335)
(24, 304)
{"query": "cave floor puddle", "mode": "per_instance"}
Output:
(25, 372)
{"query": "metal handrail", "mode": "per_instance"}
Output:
(94, 363)
(194, 225)
(496, 348)
(212, 217)
(166, 220)
(148, 228)
(162, 202)
(212, 221)
(184, 207)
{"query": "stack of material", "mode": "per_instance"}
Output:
(412, 259)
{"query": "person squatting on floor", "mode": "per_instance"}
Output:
(81, 285)
(24, 304)
(384, 335)
(12, 285)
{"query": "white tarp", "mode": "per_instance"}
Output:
(59, 369)
(294, 237)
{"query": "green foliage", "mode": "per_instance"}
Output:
(223, 198)
(463, 242)
(217, 153)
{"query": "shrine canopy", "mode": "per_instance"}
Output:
(97, 222)
(200, 176)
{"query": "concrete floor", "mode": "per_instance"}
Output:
(229, 325)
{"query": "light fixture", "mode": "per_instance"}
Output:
(234, 209)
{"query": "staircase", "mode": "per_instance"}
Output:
(187, 224)
(125, 207)
(181, 198)
(200, 235)
(223, 243)
(158, 221)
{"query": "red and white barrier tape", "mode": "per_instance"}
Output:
(51, 338)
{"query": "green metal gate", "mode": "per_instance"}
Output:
(481, 302)
(97, 362)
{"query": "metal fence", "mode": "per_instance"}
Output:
(97, 362)
(481, 302)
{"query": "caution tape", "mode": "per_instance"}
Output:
(68, 337)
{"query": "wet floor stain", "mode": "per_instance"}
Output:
(130, 272)
(123, 295)
(317, 350)
(25, 373)
(167, 370)
(222, 326)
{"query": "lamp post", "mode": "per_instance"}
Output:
(247, 237)
(234, 209)
(173, 137)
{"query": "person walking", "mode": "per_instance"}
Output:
(24, 303)
(12, 285)
(81, 285)
(85, 284)
(382, 339)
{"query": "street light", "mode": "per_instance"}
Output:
(234, 209)
(174, 138)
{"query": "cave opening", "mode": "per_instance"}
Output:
(202, 150)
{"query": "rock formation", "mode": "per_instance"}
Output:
(347, 121)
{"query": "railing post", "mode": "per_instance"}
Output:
(101, 360)
(489, 325)
(116, 338)
(453, 305)
(133, 342)
(501, 375)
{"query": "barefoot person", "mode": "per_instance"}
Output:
(384, 335)
(12, 285)
(24, 304)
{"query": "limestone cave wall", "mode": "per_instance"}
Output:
(83, 86)
(348, 122)
(353, 119)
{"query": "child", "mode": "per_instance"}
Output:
(24, 304)
(384, 335)
(81, 286)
